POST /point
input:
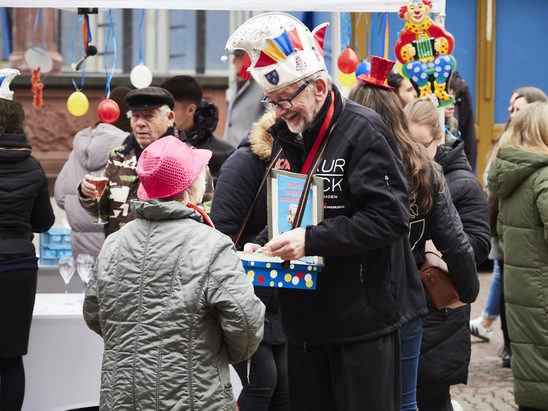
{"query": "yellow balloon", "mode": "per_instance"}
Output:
(347, 80)
(77, 104)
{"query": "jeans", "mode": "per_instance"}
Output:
(410, 339)
(492, 308)
(267, 389)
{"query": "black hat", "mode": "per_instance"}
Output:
(149, 98)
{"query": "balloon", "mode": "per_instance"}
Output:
(38, 58)
(347, 80)
(77, 104)
(108, 111)
(348, 61)
(140, 76)
(363, 68)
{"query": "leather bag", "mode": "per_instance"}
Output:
(437, 282)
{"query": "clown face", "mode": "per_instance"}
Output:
(417, 11)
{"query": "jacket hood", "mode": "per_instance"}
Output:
(451, 156)
(14, 148)
(158, 209)
(511, 167)
(90, 144)
(205, 122)
(260, 139)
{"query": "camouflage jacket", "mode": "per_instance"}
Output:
(122, 186)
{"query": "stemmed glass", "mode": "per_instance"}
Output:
(66, 269)
(99, 180)
(84, 264)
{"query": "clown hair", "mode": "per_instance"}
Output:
(403, 9)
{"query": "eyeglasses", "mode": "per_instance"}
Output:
(284, 103)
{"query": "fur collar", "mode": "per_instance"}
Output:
(260, 139)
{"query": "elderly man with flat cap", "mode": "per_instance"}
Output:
(343, 337)
(151, 117)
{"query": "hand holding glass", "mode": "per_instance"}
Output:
(99, 180)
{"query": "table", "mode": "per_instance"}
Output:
(63, 366)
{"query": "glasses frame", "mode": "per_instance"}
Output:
(271, 104)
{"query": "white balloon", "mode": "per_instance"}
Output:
(38, 58)
(140, 76)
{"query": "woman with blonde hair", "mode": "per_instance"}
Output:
(445, 350)
(519, 177)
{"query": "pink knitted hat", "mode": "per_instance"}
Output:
(168, 167)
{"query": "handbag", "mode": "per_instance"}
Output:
(437, 282)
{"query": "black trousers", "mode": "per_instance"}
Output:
(267, 389)
(434, 397)
(364, 376)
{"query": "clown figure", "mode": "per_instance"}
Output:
(424, 51)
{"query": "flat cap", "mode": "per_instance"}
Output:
(149, 98)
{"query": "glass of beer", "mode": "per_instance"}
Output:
(99, 180)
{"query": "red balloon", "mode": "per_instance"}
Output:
(108, 111)
(348, 61)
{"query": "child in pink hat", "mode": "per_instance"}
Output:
(169, 295)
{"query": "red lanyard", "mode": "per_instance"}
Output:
(321, 135)
(207, 220)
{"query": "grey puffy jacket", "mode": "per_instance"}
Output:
(171, 300)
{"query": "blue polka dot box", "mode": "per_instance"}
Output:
(269, 271)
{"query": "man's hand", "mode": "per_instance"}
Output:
(88, 189)
(250, 248)
(288, 246)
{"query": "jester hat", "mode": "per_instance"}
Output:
(281, 48)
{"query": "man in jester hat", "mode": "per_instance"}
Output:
(343, 349)
(424, 51)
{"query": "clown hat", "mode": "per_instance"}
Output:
(6, 76)
(281, 48)
(379, 72)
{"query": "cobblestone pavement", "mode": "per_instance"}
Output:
(490, 387)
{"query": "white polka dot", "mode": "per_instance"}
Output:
(292, 266)
(415, 79)
(252, 263)
(409, 66)
(436, 74)
(273, 274)
(430, 64)
(309, 268)
(448, 67)
(416, 69)
(423, 76)
(446, 74)
(438, 68)
(446, 59)
(307, 278)
(295, 280)
(280, 284)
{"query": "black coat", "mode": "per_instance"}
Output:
(365, 289)
(24, 197)
(238, 182)
(201, 136)
(446, 348)
(464, 113)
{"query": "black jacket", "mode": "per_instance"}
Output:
(206, 118)
(238, 182)
(363, 290)
(24, 197)
(464, 112)
(446, 348)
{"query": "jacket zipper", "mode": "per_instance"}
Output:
(387, 182)
(361, 273)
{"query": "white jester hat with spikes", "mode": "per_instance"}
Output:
(6, 76)
(281, 48)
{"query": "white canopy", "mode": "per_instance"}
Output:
(438, 6)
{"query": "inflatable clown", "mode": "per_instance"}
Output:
(424, 51)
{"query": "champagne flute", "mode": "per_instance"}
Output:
(84, 264)
(99, 180)
(66, 269)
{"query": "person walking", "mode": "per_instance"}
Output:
(172, 313)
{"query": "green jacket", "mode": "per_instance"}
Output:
(520, 179)
(174, 306)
